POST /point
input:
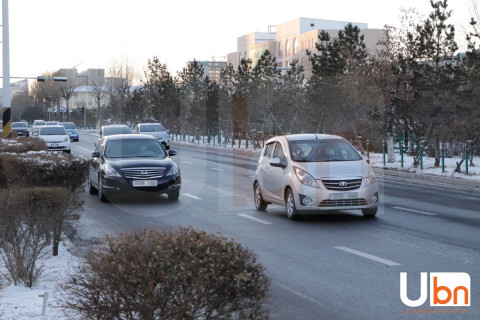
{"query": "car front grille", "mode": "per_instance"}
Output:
(343, 203)
(342, 184)
(143, 173)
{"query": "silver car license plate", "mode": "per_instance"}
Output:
(144, 183)
(54, 145)
(343, 195)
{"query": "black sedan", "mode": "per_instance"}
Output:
(133, 164)
(21, 128)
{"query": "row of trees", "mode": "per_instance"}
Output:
(415, 85)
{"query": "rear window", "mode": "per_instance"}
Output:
(19, 125)
(52, 131)
(69, 126)
(40, 123)
(151, 128)
(116, 130)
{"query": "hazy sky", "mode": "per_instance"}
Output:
(46, 35)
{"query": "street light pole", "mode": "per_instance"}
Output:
(6, 112)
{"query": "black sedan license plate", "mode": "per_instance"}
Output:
(144, 183)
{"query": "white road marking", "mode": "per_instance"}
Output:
(253, 218)
(187, 162)
(415, 211)
(192, 196)
(299, 294)
(369, 256)
(216, 169)
(87, 150)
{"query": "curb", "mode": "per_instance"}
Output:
(473, 185)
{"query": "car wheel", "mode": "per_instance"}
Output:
(292, 212)
(370, 212)
(260, 204)
(173, 195)
(101, 195)
(68, 151)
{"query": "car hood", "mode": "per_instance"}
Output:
(157, 134)
(54, 138)
(139, 163)
(334, 169)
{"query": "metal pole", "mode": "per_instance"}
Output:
(6, 112)
(401, 153)
(383, 148)
(368, 151)
(443, 156)
(466, 158)
(421, 155)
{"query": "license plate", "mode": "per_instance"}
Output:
(144, 183)
(343, 195)
(54, 145)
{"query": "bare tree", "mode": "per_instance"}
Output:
(121, 75)
(98, 90)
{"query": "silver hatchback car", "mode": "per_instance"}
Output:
(312, 172)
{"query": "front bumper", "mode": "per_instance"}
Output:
(319, 199)
(59, 146)
(22, 133)
(123, 186)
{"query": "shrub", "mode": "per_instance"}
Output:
(43, 169)
(22, 145)
(183, 274)
(27, 219)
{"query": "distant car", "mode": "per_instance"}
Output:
(56, 137)
(133, 164)
(52, 123)
(156, 130)
(109, 130)
(313, 172)
(21, 128)
(36, 125)
(1, 129)
(72, 130)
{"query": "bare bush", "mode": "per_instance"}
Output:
(22, 145)
(27, 218)
(183, 274)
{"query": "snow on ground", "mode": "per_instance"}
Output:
(22, 303)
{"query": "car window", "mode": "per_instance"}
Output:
(132, 148)
(52, 131)
(151, 128)
(323, 150)
(278, 152)
(268, 150)
(69, 126)
(116, 130)
(19, 125)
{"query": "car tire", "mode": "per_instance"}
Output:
(260, 204)
(292, 212)
(173, 195)
(68, 151)
(101, 195)
(370, 212)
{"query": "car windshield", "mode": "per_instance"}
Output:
(151, 128)
(52, 131)
(116, 130)
(69, 126)
(40, 123)
(19, 125)
(51, 123)
(134, 148)
(322, 150)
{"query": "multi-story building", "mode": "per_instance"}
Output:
(290, 40)
(212, 68)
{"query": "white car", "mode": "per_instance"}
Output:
(155, 130)
(36, 125)
(314, 172)
(56, 137)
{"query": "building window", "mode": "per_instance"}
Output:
(295, 46)
(280, 50)
(287, 48)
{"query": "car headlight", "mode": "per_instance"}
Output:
(173, 170)
(110, 172)
(305, 178)
(370, 177)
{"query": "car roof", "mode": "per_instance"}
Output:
(129, 137)
(148, 123)
(116, 126)
(305, 136)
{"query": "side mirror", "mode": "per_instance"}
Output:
(172, 153)
(95, 154)
(167, 147)
(276, 162)
(366, 159)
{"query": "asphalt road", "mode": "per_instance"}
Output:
(325, 266)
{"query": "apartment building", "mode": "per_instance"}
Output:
(212, 68)
(290, 40)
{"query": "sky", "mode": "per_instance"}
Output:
(46, 35)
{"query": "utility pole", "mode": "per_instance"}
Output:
(6, 112)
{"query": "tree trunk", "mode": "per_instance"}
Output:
(390, 149)
(436, 145)
(57, 233)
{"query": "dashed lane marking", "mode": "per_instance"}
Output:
(192, 196)
(369, 256)
(415, 211)
(253, 218)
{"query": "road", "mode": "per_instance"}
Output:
(326, 266)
